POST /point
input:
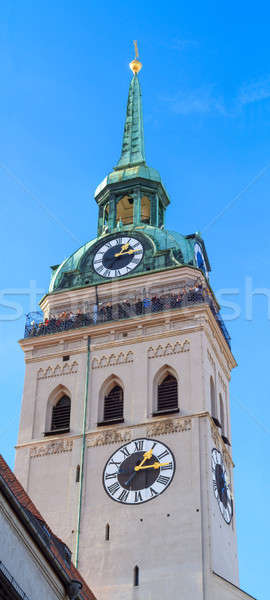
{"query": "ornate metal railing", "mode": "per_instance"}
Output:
(115, 311)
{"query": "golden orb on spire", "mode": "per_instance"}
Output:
(135, 64)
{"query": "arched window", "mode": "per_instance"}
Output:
(61, 415)
(113, 406)
(167, 395)
(124, 210)
(213, 398)
(145, 209)
(222, 415)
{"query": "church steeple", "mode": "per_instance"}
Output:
(133, 139)
(132, 195)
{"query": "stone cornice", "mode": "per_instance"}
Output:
(111, 434)
(201, 314)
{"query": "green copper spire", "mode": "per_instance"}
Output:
(133, 139)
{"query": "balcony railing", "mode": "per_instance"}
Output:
(115, 311)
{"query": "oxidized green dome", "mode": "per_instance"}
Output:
(164, 249)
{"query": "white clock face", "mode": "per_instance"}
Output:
(117, 257)
(199, 257)
(221, 486)
(138, 471)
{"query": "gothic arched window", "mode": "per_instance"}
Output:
(222, 415)
(61, 415)
(213, 398)
(113, 408)
(167, 394)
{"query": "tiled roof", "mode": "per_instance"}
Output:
(60, 551)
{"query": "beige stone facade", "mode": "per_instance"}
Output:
(180, 542)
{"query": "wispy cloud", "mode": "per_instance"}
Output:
(206, 99)
(254, 91)
(201, 100)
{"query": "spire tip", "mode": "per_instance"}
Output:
(135, 64)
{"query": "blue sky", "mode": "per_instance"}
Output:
(206, 97)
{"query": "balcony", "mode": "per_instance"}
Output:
(116, 310)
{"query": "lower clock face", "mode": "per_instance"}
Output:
(221, 486)
(139, 471)
(118, 257)
(199, 257)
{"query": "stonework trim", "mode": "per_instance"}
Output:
(219, 444)
(57, 447)
(160, 350)
(169, 426)
(109, 437)
(67, 369)
(113, 359)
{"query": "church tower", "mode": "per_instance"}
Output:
(125, 442)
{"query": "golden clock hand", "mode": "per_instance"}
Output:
(128, 252)
(154, 465)
(146, 456)
(124, 247)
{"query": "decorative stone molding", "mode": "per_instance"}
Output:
(169, 426)
(168, 349)
(56, 447)
(222, 382)
(215, 435)
(211, 360)
(109, 437)
(67, 369)
(113, 359)
(219, 444)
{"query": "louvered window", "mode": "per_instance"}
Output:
(61, 415)
(167, 400)
(114, 405)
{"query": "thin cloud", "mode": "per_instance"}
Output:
(201, 100)
(205, 100)
(254, 91)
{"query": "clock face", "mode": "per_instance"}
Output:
(117, 257)
(221, 486)
(199, 257)
(139, 471)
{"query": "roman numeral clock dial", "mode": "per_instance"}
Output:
(221, 486)
(118, 257)
(139, 471)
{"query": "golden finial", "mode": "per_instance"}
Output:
(135, 64)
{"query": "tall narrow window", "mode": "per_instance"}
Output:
(213, 397)
(114, 406)
(145, 209)
(136, 576)
(222, 416)
(107, 532)
(167, 396)
(61, 415)
(78, 472)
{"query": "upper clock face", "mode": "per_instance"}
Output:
(221, 486)
(199, 257)
(138, 471)
(118, 257)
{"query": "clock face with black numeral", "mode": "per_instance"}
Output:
(221, 486)
(199, 257)
(118, 256)
(139, 471)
